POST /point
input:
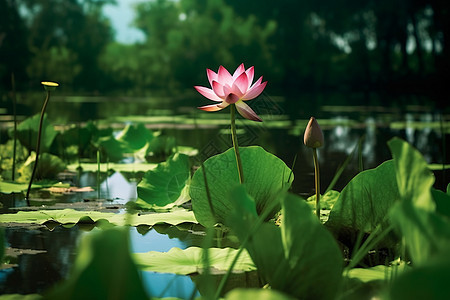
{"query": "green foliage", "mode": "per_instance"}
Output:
(21, 297)
(379, 272)
(164, 186)
(442, 201)
(118, 167)
(327, 200)
(103, 269)
(428, 281)
(263, 294)
(70, 216)
(48, 167)
(27, 132)
(301, 258)
(137, 140)
(222, 177)
(366, 200)
(6, 158)
(190, 260)
(14, 187)
(426, 233)
(62, 50)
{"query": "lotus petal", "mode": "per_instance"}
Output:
(218, 89)
(242, 84)
(224, 77)
(213, 107)
(208, 93)
(255, 90)
(239, 71)
(250, 75)
(247, 112)
(211, 76)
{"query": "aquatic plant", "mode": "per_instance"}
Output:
(233, 90)
(48, 86)
(313, 138)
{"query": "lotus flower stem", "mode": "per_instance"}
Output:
(38, 145)
(313, 138)
(235, 143)
(317, 181)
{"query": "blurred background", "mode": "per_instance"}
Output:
(370, 51)
(368, 70)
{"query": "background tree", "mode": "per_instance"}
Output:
(14, 53)
(66, 39)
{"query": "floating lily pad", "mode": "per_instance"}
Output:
(190, 260)
(267, 294)
(13, 187)
(70, 216)
(265, 176)
(131, 168)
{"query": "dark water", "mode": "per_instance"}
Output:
(366, 128)
(57, 247)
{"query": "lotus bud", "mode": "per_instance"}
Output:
(313, 137)
(49, 85)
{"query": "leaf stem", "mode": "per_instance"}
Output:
(235, 143)
(38, 146)
(14, 99)
(98, 174)
(317, 181)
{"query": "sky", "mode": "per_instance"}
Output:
(121, 16)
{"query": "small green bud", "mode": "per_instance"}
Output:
(313, 137)
(49, 85)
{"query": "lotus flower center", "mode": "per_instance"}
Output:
(231, 99)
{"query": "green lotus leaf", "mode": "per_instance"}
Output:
(263, 294)
(48, 167)
(426, 231)
(131, 168)
(163, 186)
(27, 132)
(21, 297)
(113, 148)
(70, 216)
(301, 258)
(190, 260)
(135, 137)
(366, 200)
(265, 176)
(379, 272)
(428, 281)
(14, 187)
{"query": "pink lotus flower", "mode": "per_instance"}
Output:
(232, 89)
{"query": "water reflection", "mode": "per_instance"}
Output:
(157, 284)
(35, 273)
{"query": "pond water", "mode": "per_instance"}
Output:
(366, 128)
(44, 256)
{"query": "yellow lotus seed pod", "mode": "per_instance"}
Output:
(49, 85)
